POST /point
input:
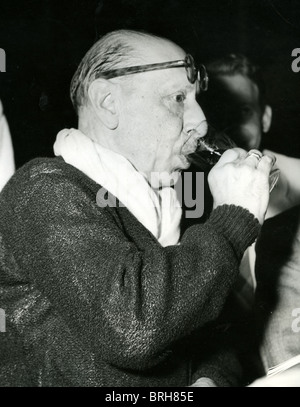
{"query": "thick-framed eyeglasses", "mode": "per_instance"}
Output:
(193, 73)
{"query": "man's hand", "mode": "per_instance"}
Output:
(242, 178)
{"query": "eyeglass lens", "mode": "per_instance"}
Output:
(194, 73)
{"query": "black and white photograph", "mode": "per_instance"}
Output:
(149, 196)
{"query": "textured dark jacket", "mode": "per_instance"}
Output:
(92, 298)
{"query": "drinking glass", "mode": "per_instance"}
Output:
(211, 147)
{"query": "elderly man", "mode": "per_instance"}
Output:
(102, 294)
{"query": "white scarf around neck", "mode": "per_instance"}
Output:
(158, 210)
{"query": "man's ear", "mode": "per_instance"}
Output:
(267, 119)
(102, 97)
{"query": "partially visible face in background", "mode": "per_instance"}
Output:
(232, 104)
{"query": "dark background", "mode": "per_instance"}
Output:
(44, 41)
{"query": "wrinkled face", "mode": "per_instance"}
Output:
(158, 108)
(234, 107)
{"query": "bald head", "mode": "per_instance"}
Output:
(118, 49)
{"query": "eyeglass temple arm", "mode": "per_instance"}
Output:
(141, 68)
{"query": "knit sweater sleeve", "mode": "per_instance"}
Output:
(123, 302)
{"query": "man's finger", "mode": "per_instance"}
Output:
(231, 155)
(267, 162)
(253, 158)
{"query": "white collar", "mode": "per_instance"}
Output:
(159, 211)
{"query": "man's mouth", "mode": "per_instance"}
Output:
(188, 149)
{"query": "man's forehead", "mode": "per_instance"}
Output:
(157, 50)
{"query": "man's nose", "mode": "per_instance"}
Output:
(194, 116)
